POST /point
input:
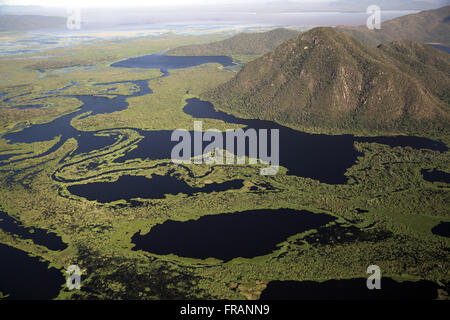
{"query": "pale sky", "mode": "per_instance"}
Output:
(147, 3)
(263, 12)
(249, 4)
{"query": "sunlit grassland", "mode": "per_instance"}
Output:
(19, 80)
(23, 70)
(163, 109)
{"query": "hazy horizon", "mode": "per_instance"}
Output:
(101, 13)
(253, 5)
(272, 6)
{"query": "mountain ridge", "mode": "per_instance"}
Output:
(426, 26)
(326, 79)
(240, 44)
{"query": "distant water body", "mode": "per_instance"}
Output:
(441, 47)
(164, 63)
(207, 21)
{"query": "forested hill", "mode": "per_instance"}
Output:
(327, 80)
(431, 26)
(242, 43)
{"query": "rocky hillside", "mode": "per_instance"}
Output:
(431, 26)
(327, 80)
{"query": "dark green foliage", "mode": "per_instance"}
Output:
(338, 234)
(121, 278)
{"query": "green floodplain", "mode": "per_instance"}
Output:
(384, 214)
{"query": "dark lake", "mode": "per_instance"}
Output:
(227, 236)
(39, 236)
(23, 277)
(442, 229)
(435, 176)
(129, 187)
(351, 289)
(165, 63)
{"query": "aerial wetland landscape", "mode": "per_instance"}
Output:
(362, 167)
